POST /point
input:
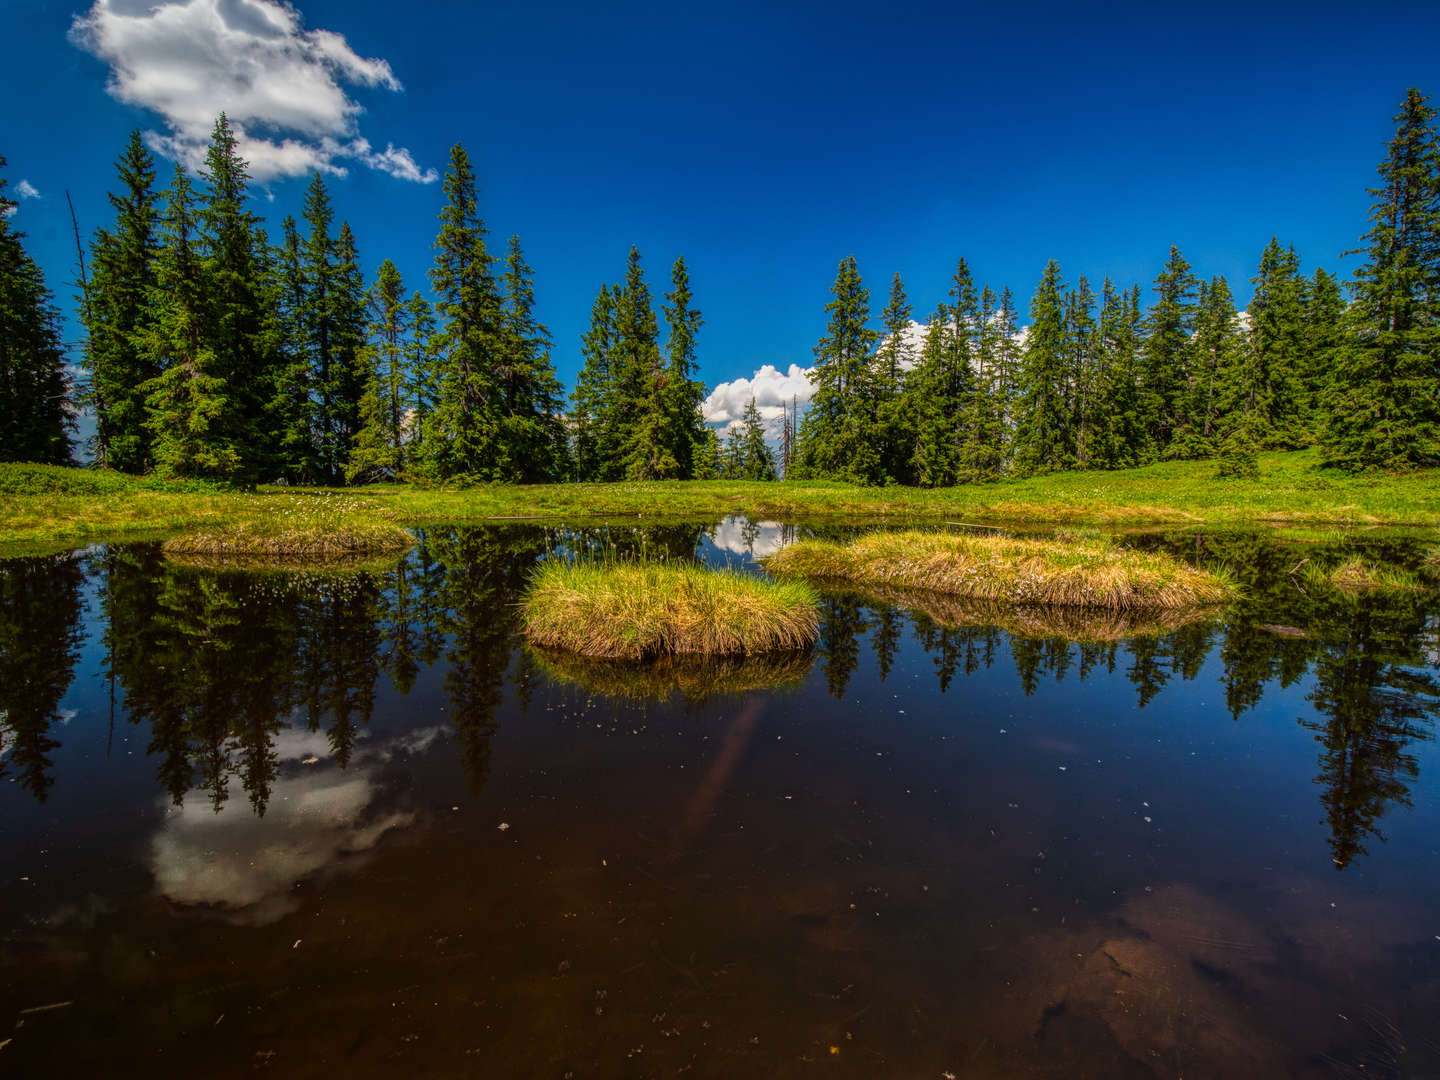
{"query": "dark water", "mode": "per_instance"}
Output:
(318, 824)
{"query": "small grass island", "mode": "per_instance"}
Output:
(643, 610)
(1065, 571)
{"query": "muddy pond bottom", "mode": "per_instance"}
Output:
(305, 824)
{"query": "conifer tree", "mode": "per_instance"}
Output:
(379, 449)
(35, 411)
(1383, 409)
(422, 360)
(117, 315)
(684, 394)
(836, 436)
(1120, 438)
(1044, 436)
(932, 396)
(195, 417)
(1162, 372)
(1324, 334)
(635, 416)
(462, 431)
(316, 348)
(590, 441)
(293, 410)
(708, 456)
(894, 427)
(1277, 337)
(241, 330)
(1214, 354)
(1087, 394)
(982, 455)
(531, 433)
(347, 340)
(751, 457)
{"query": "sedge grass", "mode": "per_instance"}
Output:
(321, 527)
(1089, 626)
(1357, 575)
(695, 678)
(637, 610)
(1070, 572)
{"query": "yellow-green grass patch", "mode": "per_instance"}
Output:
(1357, 574)
(1065, 572)
(695, 678)
(634, 610)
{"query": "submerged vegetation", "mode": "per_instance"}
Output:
(1066, 572)
(694, 678)
(634, 610)
(1357, 573)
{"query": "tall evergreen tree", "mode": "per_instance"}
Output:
(241, 329)
(934, 396)
(1044, 436)
(684, 394)
(836, 436)
(895, 429)
(463, 429)
(1214, 355)
(1324, 334)
(1277, 337)
(1162, 371)
(1087, 394)
(35, 410)
(379, 449)
(635, 416)
(194, 412)
(592, 442)
(531, 396)
(422, 360)
(293, 409)
(751, 458)
(117, 315)
(317, 347)
(346, 384)
(1383, 408)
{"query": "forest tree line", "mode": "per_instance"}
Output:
(212, 352)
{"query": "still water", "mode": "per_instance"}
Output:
(303, 824)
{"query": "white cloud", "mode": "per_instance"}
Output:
(772, 390)
(740, 536)
(26, 190)
(320, 819)
(281, 85)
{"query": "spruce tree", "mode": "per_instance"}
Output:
(1087, 393)
(1277, 337)
(35, 410)
(982, 454)
(422, 360)
(462, 430)
(1044, 434)
(1383, 407)
(893, 359)
(379, 451)
(241, 329)
(195, 416)
(1214, 354)
(592, 442)
(836, 438)
(293, 410)
(684, 394)
(317, 315)
(1324, 334)
(752, 458)
(347, 341)
(117, 315)
(932, 400)
(1119, 437)
(531, 433)
(1163, 375)
(635, 417)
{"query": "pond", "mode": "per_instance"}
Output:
(302, 823)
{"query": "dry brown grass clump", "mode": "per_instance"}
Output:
(638, 610)
(693, 677)
(1085, 625)
(1068, 572)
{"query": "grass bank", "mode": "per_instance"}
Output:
(694, 678)
(996, 569)
(47, 506)
(639, 610)
(304, 528)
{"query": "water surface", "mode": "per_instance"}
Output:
(319, 822)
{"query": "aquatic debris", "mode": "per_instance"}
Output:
(1079, 572)
(636, 610)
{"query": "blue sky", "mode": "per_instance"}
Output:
(764, 142)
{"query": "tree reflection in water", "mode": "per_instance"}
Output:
(218, 663)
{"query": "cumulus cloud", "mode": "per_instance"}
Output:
(753, 539)
(26, 190)
(282, 86)
(321, 819)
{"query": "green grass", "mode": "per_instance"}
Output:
(42, 505)
(301, 527)
(694, 678)
(1356, 575)
(1070, 571)
(632, 610)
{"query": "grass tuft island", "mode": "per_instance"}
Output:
(1065, 572)
(642, 610)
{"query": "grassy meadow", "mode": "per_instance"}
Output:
(47, 507)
